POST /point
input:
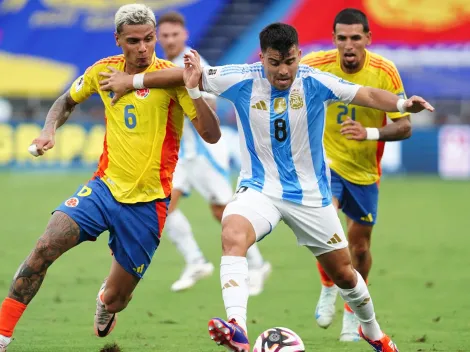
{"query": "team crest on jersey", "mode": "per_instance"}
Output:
(142, 93)
(280, 105)
(79, 84)
(72, 202)
(295, 100)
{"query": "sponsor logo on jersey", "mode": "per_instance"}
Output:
(261, 105)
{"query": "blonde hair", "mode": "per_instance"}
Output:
(133, 14)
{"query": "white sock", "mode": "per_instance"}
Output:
(179, 232)
(359, 300)
(254, 257)
(234, 280)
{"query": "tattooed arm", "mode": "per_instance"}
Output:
(56, 117)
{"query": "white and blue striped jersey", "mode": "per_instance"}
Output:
(192, 144)
(281, 132)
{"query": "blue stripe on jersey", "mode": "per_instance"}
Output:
(202, 150)
(240, 95)
(316, 124)
(281, 147)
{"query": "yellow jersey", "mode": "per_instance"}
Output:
(357, 161)
(143, 132)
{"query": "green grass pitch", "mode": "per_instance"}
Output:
(420, 280)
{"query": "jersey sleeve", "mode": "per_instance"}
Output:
(186, 102)
(394, 85)
(335, 88)
(84, 86)
(218, 80)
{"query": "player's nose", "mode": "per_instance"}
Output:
(142, 47)
(283, 71)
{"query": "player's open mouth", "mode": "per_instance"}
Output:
(349, 56)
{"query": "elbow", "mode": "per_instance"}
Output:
(407, 131)
(211, 137)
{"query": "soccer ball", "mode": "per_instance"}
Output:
(279, 340)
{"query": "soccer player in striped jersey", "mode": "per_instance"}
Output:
(129, 193)
(204, 167)
(281, 109)
(354, 143)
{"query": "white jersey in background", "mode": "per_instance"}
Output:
(203, 166)
(281, 132)
(191, 143)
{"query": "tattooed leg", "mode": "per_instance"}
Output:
(62, 233)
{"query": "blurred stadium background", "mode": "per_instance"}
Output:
(46, 44)
(422, 240)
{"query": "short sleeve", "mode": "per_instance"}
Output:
(394, 85)
(335, 88)
(84, 86)
(220, 79)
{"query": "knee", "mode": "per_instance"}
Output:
(115, 301)
(359, 250)
(234, 241)
(345, 277)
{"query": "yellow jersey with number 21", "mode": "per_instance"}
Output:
(357, 161)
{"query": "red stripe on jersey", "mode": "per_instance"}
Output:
(104, 161)
(380, 150)
(162, 212)
(111, 60)
(169, 155)
(387, 69)
(391, 69)
(320, 61)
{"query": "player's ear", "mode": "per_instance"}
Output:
(333, 37)
(116, 37)
(261, 56)
(369, 38)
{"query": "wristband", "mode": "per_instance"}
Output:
(373, 134)
(401, 105)
(138, 81)
(194, 93)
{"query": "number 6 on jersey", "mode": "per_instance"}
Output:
(129, 118)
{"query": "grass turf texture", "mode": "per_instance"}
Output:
(419, 280)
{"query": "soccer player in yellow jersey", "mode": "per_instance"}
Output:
(129, 193)
(354, 143)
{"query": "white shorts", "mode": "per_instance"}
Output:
(318, 228)
(200, 174)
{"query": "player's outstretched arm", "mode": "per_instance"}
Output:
(120, 82)
(383, 100)
(207, 122)
(56, 117)
(399, 130)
